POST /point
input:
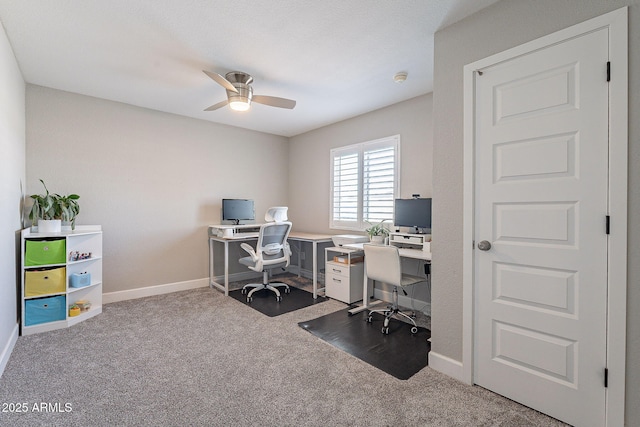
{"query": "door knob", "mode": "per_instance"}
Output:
(484, 245)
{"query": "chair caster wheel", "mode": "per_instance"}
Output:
(414, 330)
(369, 319)
(385, 330)
(243, 292)
(287, 290)
(278, 299)
(249, 299)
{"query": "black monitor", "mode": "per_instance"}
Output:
(414, 213)
(237, 210)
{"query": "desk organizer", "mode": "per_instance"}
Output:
(80, 280)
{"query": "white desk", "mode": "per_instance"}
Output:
(366, 290)
(314, 239)
(294, 236)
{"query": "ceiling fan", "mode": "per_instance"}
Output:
(240, 93)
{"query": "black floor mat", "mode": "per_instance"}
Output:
(265, 300)
(400, 353)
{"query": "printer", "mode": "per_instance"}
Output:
(347, 239)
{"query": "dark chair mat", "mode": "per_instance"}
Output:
(265, 300)
(399, 353)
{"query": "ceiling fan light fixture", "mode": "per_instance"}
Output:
(240, 93)
(240, 100)
(239, 105)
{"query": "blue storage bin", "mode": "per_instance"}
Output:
(79, 280)
(44, 310)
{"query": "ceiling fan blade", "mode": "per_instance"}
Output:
(221, 81)
(274, 101)
(218, 105)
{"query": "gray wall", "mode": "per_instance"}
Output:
(153, 180)
(12, 176)
(309, 184)
(309, 164)
(504, 25)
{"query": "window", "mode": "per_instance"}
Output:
(364, 183)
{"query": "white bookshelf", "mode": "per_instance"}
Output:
(84, 239)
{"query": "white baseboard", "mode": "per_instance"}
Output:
(403, 301)
(446, 365)
(148, 291)
(8, 348)
(182, 286)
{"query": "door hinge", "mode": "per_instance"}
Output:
(606, 377)
(608, 71)
(608, 224)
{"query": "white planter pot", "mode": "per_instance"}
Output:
(49, 226)
(377, 239)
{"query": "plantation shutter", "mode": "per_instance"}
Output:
(346, 193)
(364, 183)
(378, 193)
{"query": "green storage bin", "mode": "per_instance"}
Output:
(44, 252)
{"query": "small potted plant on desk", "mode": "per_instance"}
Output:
(49, 210)
(378, 232)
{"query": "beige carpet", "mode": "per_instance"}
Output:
(198, 358)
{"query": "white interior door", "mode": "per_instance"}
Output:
(541, 186)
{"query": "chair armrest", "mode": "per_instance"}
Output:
(250, 251)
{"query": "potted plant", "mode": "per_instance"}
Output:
(69, 208)
(49, 210)
(377, 232)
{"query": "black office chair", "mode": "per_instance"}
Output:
(382, 263)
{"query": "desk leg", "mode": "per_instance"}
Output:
(226, 268)
(210, 262)
(315, 269)
(212, 282)
(367, 287)
(299, 258)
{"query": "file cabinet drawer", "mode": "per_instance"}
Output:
(43, 252)
(345, 287)
(44, 282)
(338, 268)
(43, 310)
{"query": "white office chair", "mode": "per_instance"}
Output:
(382, 263)
(272, 251)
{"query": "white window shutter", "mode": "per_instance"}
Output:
(378, 184)
(364, 183)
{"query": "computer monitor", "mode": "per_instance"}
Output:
(237, 210)
(414, 213)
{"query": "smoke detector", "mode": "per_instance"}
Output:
(400, 77)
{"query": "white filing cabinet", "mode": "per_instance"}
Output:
(344, 278)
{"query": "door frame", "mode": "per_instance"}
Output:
(617, 24)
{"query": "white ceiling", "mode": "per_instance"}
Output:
(336, 58)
